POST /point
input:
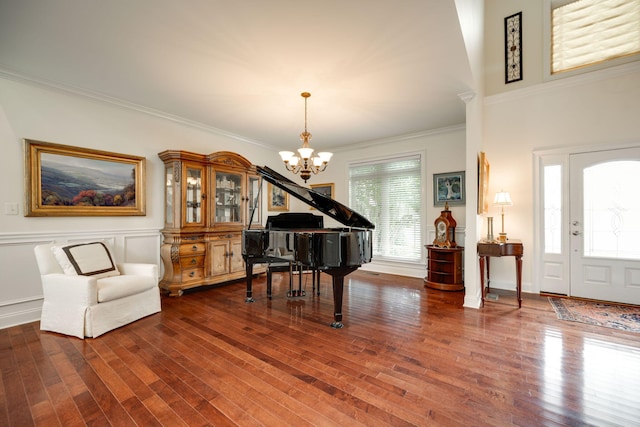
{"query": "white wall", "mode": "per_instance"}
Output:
(532, 39)
(600, 109)
(595, 108)
(33, 111)
(46, 114)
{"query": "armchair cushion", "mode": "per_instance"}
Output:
(116, 287)
(86, 259)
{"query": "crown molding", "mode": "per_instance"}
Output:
(467, 96)
(101, 97)
(399, 138)
(563, 83)
(8, 74)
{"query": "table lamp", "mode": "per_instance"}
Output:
(502, 199)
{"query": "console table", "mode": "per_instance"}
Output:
(512, 248)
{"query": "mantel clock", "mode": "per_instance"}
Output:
(445, 226)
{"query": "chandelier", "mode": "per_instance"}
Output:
(305, 164)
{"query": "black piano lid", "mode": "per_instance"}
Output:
(324, 204)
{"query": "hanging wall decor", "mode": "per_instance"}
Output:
(513, 47)
(62, 180)
(278, 199)
(448, 188)
(483, 184)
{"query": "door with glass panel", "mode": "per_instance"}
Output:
(604, 225)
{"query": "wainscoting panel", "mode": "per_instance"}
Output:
(21, 290)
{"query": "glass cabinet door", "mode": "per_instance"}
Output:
(228, 197)
(193, 196)
(168, 195)
(254, 201)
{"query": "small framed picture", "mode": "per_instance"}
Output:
(448, 188)
(324, 189)
(278, 199)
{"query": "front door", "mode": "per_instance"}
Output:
(604, 192)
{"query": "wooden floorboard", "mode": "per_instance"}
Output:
(407, 356)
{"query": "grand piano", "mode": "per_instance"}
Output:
(334, 251)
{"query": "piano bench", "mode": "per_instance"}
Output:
(288, 268)
(279, 268)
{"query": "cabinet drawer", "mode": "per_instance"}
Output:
(443, 267)
(192, 261)
(192, 274)
(191, 248)
(225, 237)
(443, 256)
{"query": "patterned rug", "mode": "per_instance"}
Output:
(609, 315)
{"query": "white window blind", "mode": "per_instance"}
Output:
(388, 193)
(586, 32)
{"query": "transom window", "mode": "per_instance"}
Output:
(587, 32)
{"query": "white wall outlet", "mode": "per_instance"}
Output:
(11, 208)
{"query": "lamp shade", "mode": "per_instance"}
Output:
(286, 155)
(325, 156)
(502, 199)
(305, 153)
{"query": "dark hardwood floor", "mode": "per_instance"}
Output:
(406, 357)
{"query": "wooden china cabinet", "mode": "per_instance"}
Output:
(208, 201)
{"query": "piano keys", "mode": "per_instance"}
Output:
(296, 238)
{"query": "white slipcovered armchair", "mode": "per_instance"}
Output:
(87, 294)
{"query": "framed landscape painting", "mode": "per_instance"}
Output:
(62, 180)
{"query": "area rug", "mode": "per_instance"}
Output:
(609, 315)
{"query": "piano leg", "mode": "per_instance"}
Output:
(316, 281)
(338, 288)
(249, 268)
(269, 281)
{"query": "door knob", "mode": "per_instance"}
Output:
(576, 232)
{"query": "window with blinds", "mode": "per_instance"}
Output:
(388, 193)
(587, 32)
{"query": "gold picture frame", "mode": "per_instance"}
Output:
(483, 184)
(278, 199)
(62, 180)
(325, 189)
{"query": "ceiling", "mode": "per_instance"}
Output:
(375, 68)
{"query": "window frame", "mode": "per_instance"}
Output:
(421, 156)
